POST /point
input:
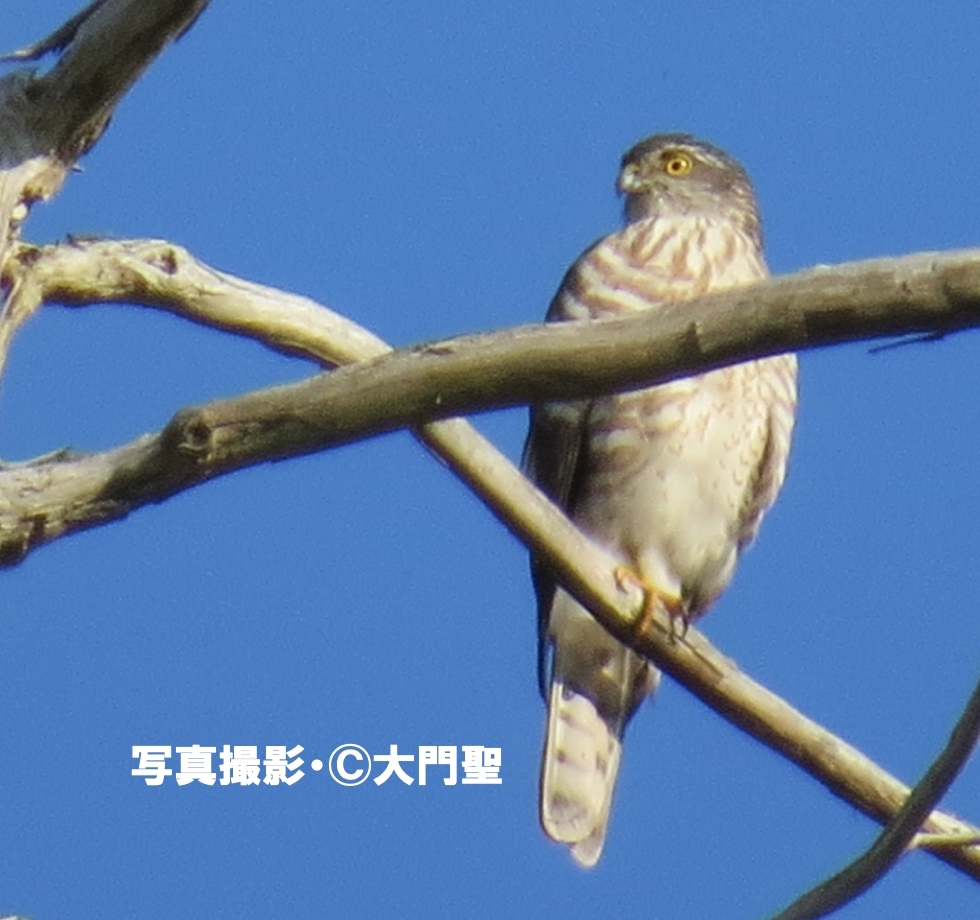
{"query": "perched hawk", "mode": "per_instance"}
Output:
(675, 479)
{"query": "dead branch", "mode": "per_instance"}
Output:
(48, 121)
(932, 292)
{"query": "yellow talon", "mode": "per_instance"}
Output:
(653, 597)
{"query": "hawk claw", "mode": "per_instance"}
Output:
(654, 597)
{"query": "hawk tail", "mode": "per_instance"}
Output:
(581, 760)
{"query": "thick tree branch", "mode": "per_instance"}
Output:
(154, 273)
(928, 292)
(931, 292)
(63, 493)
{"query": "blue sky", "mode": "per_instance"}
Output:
(432, 169)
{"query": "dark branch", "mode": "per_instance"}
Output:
(103, 51)
(47, 122)
(894, 840)
(57, 40)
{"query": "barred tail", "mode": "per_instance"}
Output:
(581, 761)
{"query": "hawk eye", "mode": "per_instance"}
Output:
(677, 164)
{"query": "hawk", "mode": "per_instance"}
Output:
(674, 479)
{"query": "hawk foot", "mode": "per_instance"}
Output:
(654, 597)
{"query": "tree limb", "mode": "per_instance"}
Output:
(103, 51)
(926, 292)
(47, 498)
(929, 292)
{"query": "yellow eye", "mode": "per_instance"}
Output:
(677, 164)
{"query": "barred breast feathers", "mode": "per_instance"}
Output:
(658, 260)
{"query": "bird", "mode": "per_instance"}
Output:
(674, 479)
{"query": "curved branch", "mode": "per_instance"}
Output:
(853, 880)
(44, 499)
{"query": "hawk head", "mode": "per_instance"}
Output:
(673, 175)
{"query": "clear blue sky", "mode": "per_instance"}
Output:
(431, 169)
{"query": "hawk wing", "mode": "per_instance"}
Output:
(555, 454)
(779, 380)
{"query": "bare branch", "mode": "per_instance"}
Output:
(894, 840)
(913, 294)
(154, 273)
(931, 292)
(41, 500)
(57, 40)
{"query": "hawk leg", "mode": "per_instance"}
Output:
(654, 597)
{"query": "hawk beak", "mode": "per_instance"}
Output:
(629, 181)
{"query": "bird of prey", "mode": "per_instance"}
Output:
(674, 479)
